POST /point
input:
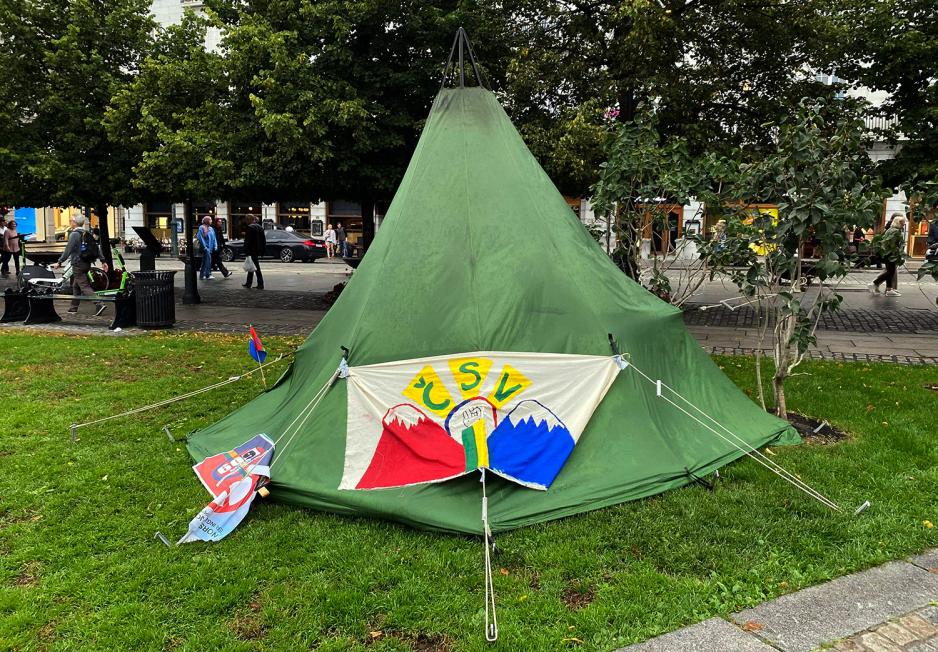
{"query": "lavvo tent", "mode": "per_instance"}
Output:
(487, 332)
(480, 262)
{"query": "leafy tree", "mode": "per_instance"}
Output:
(716, 71)
(174, 119)
(639, 183)
(892, 46)
(327, 98)
(821, 179)
(61, 64)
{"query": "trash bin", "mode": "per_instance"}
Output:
(156, 304)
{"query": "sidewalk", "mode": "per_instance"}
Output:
(867, 328)
(890, 608)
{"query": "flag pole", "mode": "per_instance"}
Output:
(258, 361)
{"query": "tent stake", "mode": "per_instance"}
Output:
(862, 508)
(169, 435)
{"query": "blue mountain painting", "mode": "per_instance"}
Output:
(530, 445)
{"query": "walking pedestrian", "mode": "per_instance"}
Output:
(4, 254)
(206, 235)
(342, 239)
(11, 242)
(890, 246)
(217, 261)
(329, 237)
(255, 242)
(82, 250)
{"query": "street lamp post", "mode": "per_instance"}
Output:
(191, 294)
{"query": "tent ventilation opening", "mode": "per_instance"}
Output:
(456, 64)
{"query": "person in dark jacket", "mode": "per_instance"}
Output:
(255, 242)
(342, 240)
(217, 262)
(932, 232)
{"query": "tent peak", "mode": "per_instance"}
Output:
(456, 64)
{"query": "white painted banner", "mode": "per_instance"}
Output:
(432, 419)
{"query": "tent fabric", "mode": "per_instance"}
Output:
(480, 252)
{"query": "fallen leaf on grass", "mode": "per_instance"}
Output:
(376, 635)
(753, 626)
(503, 571)
(928, 524)
(104, 479)
(870, 407)
(572, 639)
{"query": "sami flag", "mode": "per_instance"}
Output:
(255, 348)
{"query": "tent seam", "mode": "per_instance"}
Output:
(472, 254)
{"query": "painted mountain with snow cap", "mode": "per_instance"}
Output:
(412, 449)
(530, 445)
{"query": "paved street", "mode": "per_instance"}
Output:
(867, 327)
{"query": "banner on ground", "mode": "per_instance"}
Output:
(232, 478)
(432, 419)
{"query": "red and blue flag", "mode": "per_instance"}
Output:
(255, 348)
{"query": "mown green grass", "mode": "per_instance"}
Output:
(80, 569)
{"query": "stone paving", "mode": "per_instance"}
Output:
(890, 608)
(891, 318)
(914, 632)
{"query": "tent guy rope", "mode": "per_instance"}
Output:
(181, 397)
(307, 411)
(733, 439)
(488, 542)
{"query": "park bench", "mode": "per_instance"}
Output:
(41, 307)
(38, 306)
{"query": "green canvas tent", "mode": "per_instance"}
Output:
(480, 252)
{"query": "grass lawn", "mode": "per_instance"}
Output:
(80, 568)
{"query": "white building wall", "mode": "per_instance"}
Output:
(134, 218)
(170, 12)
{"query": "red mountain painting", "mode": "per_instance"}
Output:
(412, 449)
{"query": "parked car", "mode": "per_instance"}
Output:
(285, 245)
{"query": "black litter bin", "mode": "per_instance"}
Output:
(156, 305)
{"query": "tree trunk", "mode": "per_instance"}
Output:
(368, 224)
(778, 388)
(782, 345)
(104, 236)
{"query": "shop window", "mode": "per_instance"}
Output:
(202, 209)
(295, 214)
(158, 217)
(239, 215)
(349, 215)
